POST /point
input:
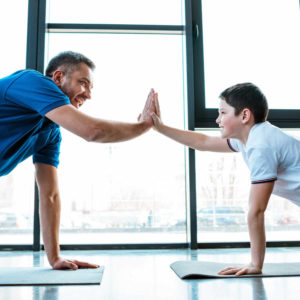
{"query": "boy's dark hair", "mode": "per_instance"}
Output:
(69, 60)
(247, 95)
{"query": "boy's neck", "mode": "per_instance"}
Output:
(245, 133)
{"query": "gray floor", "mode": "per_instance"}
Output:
(146, 275)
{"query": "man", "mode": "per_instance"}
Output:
(32, 107)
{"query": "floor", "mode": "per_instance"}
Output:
(145, 274)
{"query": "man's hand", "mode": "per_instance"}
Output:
(242, 270)
(149, 108)
(62, 263)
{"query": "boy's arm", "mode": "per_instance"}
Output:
(258, 201)
(192, 139)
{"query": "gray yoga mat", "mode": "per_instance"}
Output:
(205, 270)
(48, 276)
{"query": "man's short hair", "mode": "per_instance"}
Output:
(69, 61)
(247, 95)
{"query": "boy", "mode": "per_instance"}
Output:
(272, 156)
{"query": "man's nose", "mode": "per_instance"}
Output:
(88, 93)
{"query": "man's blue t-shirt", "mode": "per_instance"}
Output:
(25, 97)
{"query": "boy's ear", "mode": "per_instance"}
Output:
(246, 115)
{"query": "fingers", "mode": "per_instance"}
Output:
(149, 99)
(242, 272)
(72, 264)
(229, 271)
(156, 103)
(82, 264)
(155, 118)
(148, 108)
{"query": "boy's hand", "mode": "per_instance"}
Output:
(156, 117)
(242, 270)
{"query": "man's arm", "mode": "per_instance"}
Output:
(192, 139)
(46, 176)
(258, 201)
(102, 131)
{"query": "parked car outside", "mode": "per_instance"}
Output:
(222, 216)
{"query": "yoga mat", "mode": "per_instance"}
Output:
(205, 270)
(48, 276)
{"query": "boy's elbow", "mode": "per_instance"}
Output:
(255, 214)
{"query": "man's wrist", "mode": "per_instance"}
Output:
(53, 260)
(256, 265)
(144, 125)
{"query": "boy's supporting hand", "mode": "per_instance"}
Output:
(149, 108)
(156, 117)
(242, 270)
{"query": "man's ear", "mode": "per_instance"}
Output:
(58, 76)
(246, 115)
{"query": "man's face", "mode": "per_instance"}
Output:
(228, 121)
(77, 85)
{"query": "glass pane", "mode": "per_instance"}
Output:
(16, 205)
(223, 184)
(13, 24)
(17, 188)
(160, 12)
(253, 41)
(132, 192)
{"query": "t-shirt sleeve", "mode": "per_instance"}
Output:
(234, 145)
(36, 92)
(263, 165)
(49, 154)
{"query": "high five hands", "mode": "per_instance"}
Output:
(151, 111)
(149, 108)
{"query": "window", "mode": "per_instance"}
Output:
(166, 12)
(131, 192)
(17, 188)
(16, 205)
(13, 23)
(223, 186)
(252, 41)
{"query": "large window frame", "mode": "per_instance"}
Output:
(205, 117)
(197, 115)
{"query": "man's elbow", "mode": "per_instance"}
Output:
(95, 134)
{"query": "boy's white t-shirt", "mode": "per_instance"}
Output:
(272, 155)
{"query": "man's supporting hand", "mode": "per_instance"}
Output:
(62, 263)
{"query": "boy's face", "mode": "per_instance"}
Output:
(229, 123)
